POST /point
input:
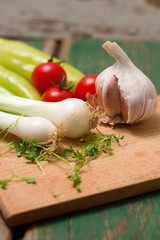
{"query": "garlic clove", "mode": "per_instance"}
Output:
(111, 93)
(124, 92)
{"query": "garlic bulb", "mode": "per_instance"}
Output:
(125, 93)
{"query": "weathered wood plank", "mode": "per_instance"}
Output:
(136, 218)
(45, 231)
(92, 19)
(5, 231)
(58, 48)
(49, 46)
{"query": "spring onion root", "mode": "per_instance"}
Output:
(30, 129)
(73, 115)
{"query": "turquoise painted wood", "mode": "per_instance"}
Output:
(136, 218)
(89, 56)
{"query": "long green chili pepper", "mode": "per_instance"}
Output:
(3, 90)
(17, 85)
(23, 58)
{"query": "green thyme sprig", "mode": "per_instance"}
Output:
(97, 144)
(36, 153)
(100, 144)
(15, 178)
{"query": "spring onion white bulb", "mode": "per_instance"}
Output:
(124, 93)
(73, 115)
(30, 129)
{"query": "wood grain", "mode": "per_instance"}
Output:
(133, 218)
(132, 169)
(5, 231)
(88, 19)
(58, 48)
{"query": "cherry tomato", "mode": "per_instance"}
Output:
(86, 85)
(55, 94)
(48, 74)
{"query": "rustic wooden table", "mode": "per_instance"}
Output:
(134, 218)
(91, 18)
(135, 22)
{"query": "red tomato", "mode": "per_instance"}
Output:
(86, 85)
(55, 94)
(46, 75)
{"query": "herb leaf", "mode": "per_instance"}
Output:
(30, 180)
(36, 153)
(15, 178)
(100, 144)
(3, 183)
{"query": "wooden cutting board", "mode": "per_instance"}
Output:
(133, 168)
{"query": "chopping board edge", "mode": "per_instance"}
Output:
(83, 203)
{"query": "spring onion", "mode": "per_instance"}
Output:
(31, 129)
(73, 115)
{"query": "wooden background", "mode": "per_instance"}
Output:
(39, 20)
(80, 18)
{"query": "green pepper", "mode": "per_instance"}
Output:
(23, 58)
(5, 91)
(17, 85)
(16, 65)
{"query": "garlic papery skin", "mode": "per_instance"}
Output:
(123, 92)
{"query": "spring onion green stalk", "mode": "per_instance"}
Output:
(17, 84)
(73, 115)
(22, 58)
(31, 129)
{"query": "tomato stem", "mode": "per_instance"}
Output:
(62, 85)
(52, 58)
